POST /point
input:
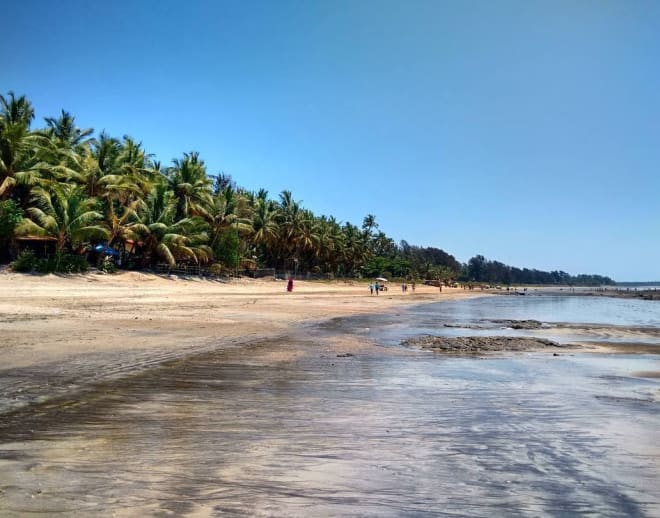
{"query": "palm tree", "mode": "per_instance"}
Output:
(264, 222)
(63, 151)
(64, 130)
(225, 214)
(100, 162)
(330, 244)
(16, 143)
(131, 176)
(369, 223)
(191, 185)
(119, 220)
(164, 236)
(355, 251)
(66, 214)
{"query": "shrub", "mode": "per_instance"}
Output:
(10, 216)
(58, 263)
(108, 266)
(63, 263)
(25, 262)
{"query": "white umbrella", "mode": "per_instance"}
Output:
(382, 279)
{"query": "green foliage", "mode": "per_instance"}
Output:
(62, 263)
(480, 269)
(108, 267)
(25, 262)
(443, 273)
(226, 249)
(386, 266)
(57, 263)
(10, 217)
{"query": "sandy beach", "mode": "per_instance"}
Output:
(64, 331)
(139, 395)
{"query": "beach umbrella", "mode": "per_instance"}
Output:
(381, 279)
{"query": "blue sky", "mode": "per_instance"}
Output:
(524, 131)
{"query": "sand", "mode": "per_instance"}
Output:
(85, 327)
(161, 396)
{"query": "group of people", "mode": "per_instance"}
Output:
(374, 287)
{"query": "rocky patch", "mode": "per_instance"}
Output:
(480, 344)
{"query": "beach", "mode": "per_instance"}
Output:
(61, 331)
(138, 395)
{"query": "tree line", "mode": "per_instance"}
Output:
(65, 184)
(480, 269)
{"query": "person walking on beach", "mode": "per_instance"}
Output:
(371, 288)
(289, 285)
(376, 287)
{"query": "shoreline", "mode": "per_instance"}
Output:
(59, 334)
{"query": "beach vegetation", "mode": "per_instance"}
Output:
(10, 216)
(27, 262)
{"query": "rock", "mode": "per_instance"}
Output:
(478, 344)
(520, 324)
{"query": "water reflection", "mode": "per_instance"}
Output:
(376, 434)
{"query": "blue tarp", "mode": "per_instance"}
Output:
(105, 249)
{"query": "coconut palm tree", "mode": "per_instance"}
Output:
(65, 213)
(63, 151)
(191, 186)
(354, 250)
(131, 176)
(17, 156)
(228, 211)
(100, 162)
(264, 222)
(330, 244)
(64, 130)
(165, 237)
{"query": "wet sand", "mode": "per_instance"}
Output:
(384, 432)
(241, 400)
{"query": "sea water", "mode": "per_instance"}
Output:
(389, 431)
(563, 318)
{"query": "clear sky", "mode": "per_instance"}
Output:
(526, 131)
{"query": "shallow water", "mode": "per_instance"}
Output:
(551, 308)
(566, 319)
(387, 432)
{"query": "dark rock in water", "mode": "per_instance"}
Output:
(479, 344)
(520, 324)
(344, 355)
(464, 326)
